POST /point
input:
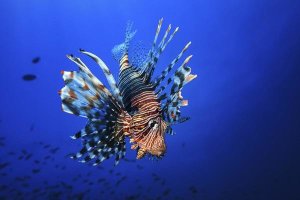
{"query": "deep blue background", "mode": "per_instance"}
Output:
(242, 141)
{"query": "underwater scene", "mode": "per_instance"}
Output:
(150, 100)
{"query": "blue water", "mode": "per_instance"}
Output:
(242, 141)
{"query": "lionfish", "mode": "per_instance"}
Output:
(136, 106)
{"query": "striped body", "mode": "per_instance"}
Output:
(147, 128)
(136, 106)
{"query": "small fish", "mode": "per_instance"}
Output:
(3, 174)
(166, 191)
(35, 171)
(54, 150)
(193, 189)
(3, 187)
(31, 127)
(138, 106)
(36, 190)
(183, 145)
(11, 153)
(25, 185)
(35, 60)
(28, 156)
(37, 161)
(91, 183)
(20, 157)
(4, 165)
(29, 77)
(119, 182)
(24, 151)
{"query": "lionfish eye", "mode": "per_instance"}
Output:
(152, 123)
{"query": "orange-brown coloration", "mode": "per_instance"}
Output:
(85, 87)
(72, 94)
(96, 97)
(147, 127)
(100, 86)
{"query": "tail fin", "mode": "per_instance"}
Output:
(108, 123)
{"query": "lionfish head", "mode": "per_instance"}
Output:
(148, 135)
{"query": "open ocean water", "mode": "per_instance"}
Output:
(241, 143)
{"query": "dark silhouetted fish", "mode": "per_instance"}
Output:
(3, 187)
(37, 161)
(54, 150)
(166, 191)
(193, 189)
(155, 177)
(28, 156)
(3, 174)
(4, 165)
(35, 60)
(36, 190)
(24, 151)
(25, 185)
(29, 77)
(2, 141)
(11, 153)
(31, 127)
(132, 197)
(35, 171)
(20, 157)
